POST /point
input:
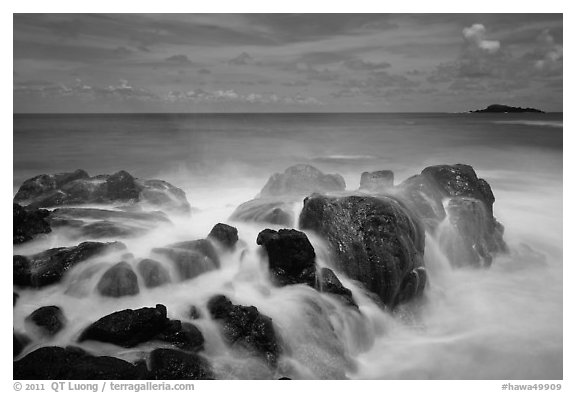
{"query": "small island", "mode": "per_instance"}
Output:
(497, 108)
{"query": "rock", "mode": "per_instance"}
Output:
(128, 328)
(226, 235)
(246, 328)
(284, 379)
(120, 280)
(195, 312)
(497, 108)
(473, 235)
(49, 319)
(170, 364)
(191, 258)
(378, 181)
(27, 223)
(184, 336)
(153, 273)
(15, 298)
(49, 363)
(49, 266)
(302, 180)
(79, 188)
(291, 257)
(265, 210)
(375, 240)
(20, 341)
(328, 282)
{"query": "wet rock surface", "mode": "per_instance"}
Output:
(28, 223)
(79, 188)
(225, 234)
(265, 210)
(328, 282)
(378, 181)
(246, 328)
(20, 341)
(49, 266)
(168, 364)
(301, 180)
(190, 258)
(375, 240)
(74, 363)
(291, 257)
(153, 273)
(49, 319)
(119, 280)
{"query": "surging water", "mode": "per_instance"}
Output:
(502, 323)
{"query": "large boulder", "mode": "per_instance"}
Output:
(291, 257)
(28, 222)
(375, 182)
(120, 280)
(49, 319)
(328, 282)
(191, 258)
(79, 188)
(74, 363)
(170, 364)
(246, 328)
(375, 241)
(473, 236)
(128, 328)
(224, 234)
(265, 210)
(301, 180)
(49, 266)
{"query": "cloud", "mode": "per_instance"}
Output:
(242, 59)
(204, 71)
(178, 59)
(232, 96)
(357, 64)
(475, 35)
(550, 53)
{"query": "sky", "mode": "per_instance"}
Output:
(100, 63)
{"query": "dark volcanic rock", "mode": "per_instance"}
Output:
(153, 273)
(191, 258)
(19, 343)
(120, 280)
(474, 236)
(225, 234)
(376, 181)
(328, 282)
(185, 336)
(291, 257)
(79, 188)
(170, 364)
(49, 319)
(28, 223)
(301, 180)
(246, 328)
(128, 328)
(375, 240)
(49, 266)
(265, 210)
(73, 363)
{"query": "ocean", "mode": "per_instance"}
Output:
(501, 323)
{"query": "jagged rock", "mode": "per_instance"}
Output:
(375, 240)
(170, 364)
(49, 319)
(378, 181)
(49, 266)
(265, 210)
(128, 328)
(153, 273)
(191, 258)
(291, 257)
(328, 282)
(302, 180)
(226, 235)
(120, 280)
(246, 328)
(28, 223)
(72, 364)
(79, 188)
(474, 236)
(20, 341)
